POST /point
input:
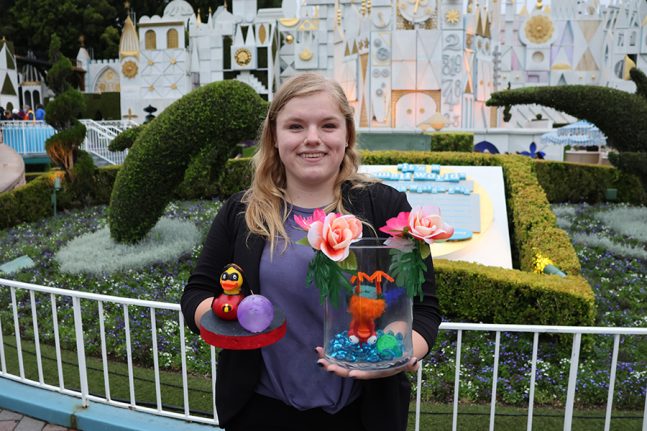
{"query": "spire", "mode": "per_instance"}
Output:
(129, 43)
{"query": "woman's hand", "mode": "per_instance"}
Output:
(412, 365)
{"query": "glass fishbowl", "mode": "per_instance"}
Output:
(368, 325)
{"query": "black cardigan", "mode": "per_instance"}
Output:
(385, 402)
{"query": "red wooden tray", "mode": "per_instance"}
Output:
(228, 334)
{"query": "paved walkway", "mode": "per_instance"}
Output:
(11, 421)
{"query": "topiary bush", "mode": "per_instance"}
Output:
(217, 116)
(126, 139)
(452, 141)
(620, 115)
(633, 162)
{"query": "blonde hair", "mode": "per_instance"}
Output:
(267, 208)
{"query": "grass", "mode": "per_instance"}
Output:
(476, 417)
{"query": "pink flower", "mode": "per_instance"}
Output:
(334, 235)
(426, 224)
(397, 226)
(305, 222)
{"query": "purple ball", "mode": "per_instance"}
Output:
(255, 313)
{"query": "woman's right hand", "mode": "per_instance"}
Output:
(204, 307)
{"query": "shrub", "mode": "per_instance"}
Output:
(481, 293)
(126, 139)
(633, 163)
(63, 147)
(64, 108)
(452, 141)
(157, 162)
(27, 203)
(575, 182)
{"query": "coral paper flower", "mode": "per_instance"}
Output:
(425, 224)
(331, 236)
(334, 235)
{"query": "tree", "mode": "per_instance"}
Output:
(62, 113)
(30, 24)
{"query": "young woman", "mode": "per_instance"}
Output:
(307, 159)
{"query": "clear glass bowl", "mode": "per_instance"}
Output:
(369, 329)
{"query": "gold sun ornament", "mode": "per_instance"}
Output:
(452, 16)
(539, 29)
(129, 69)
(243, 56)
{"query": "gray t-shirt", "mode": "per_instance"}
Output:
(290, 372)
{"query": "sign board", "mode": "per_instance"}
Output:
(469, 197)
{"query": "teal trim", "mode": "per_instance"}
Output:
(66, 411)
(37, 160)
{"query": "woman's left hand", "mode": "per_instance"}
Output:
(412, 365)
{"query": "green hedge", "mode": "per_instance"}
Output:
(478, 293)
(28, 203)
(32, 201)
(102, 106)
(452, 141)
(575, 182)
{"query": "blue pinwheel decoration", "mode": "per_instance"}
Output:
(533, 153)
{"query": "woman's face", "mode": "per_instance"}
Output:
(311, 138)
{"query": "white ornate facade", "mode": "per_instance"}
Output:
(401, 63)
(8, 76)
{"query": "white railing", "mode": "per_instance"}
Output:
(58, 296)
(26, 137)
(98, 136)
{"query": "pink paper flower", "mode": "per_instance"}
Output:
(426, 224)
(423, 223)
(334, 235)
(305, 222)
(397, 226)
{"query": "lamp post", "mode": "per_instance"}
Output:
(149, 109)
(57, 187)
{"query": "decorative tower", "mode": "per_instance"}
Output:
(8, 76)
(129, 73)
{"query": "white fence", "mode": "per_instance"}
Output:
(58, 298)
(98, 136)
(28, 138)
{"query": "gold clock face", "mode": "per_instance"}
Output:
(539, 29)
(129, 69)
(243, 56)
(416, 11)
